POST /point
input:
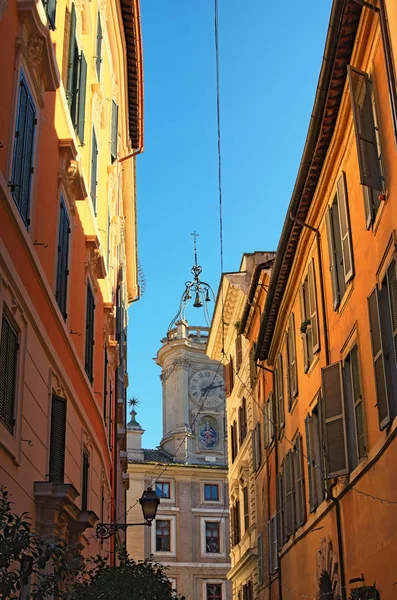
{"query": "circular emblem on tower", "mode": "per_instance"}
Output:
(207, 388)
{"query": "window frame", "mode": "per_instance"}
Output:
(161, 483)
(211, 485)
(60, 400)
(172, 521)
(6, 317)
(63, 205)
(89, 350)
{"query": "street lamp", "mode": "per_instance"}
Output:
(149, 503)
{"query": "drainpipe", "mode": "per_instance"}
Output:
(335, 500)
(321, 279)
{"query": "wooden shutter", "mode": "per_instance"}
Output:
(335, 421)
(392, 288)
(253, 367)
(258, 447)
(388, 53)
(291, 357)
(98, 58)
(382, 392)
(84, 482)
(279, 390)
(280, 509)
(239, 351)
(311, 280)
(244, 416)
(304, 317)
(62, 259)
(57, 440)
(310, 463)
(81, 96)
(260, 559)
(8, 372)
(332, 258)
(254, 455)
(89, 334)
(71, 74)
(22, 166)
(238, 528)
(289, 506)
(50, 7)
(364, 127)
(232, 525)
(344, 224)
(240, 425)
(246, 509)
(357, 403)
(266, 430)
(94, 167)
(271, 417)
(105, 385)
(300, 498)
(115, 119)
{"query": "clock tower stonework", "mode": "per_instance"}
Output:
(193, 397)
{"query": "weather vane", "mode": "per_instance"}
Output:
(197, 288)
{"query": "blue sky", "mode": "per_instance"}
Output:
(270, 58)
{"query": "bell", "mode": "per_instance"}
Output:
(187, 297)
(207, 297)
(197, 301)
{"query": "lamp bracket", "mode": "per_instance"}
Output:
(104, 531)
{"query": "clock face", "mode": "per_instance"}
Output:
(207, 388)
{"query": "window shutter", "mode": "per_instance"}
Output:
(84, 483)
(271, 417)
(344, 223)
(232, 526)
(99, 48)
(300, 498)
(82, 95)
(266, 430)
(260, 559)
(253, 367)
(71, 75)
(254, 454)
(63, 259)
(291, 356)
(332, 258)
(392, 286)
(357, 404)
(306, 363)
(57, 440)
(239, 351)
(89, 334)
(244, 416)
(383, 402)
(335, 424)
(270, 545)
(246, 509)
(105, 385)
(289, 510)
(313, 307)
(310, 463)
(115, 119)
(94, 167)
(364, 127)
(280, 509)
(258, 444)
(240, 425)
(8, 372)
(278, 384)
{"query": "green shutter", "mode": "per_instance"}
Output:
(335, 421)
(84, 482)
(57, 440)
(50, 7)
(304, 336)
(72, 64)
(89, 334)
(81, 97)
(260, 559)
(310, 463)
(358, 404)
(300, 497)
(8, 372)
(280, 508)
(94, 170)
(289, 492)
(114, 138)
(311, 280)
(98, 58)
(344, 223)
(62, 259)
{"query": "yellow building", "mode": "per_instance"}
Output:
(71, 122)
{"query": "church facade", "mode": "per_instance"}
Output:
(188, 470)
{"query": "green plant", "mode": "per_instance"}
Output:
(365, 592)
(237, 325)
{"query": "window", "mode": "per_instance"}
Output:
(163, 536)
(242, 421)
(23, 159)
(229, 377)
(256, 447)
(247, 591)
(260, 559)
(113, 143)
(344, 416)
(57, 440)
(214, 591)
(211, 492)
(367, 139)
(94, 170)
(235, 522)
(339, 242)
(50, 9)
(292, 374)
(382, 306)
(253, 367)
(280, 508)
(273, 544)
(239, 351)
(108, 243)
(279, 391)
(89, 334)
(309, 326)
(105, 385)
(268, 422)
(212, 537)
(76, 80)
(291, 492)
(163, 489)
(84, 481)
(246, 508)
(8, 372)
(62, 259)
(98, 57)
(233, 440)
(315, 456)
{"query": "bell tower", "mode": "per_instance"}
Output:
(193, 385)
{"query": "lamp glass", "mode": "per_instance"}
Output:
(149, 503)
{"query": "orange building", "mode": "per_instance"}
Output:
(70, 125)
(328, 328)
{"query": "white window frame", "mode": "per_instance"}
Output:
(220, 582)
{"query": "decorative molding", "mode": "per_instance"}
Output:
(70, 171)
(83, 16)
(177, 363)
(94, 262)
(99, 105)
(57, 385)
(327, 565)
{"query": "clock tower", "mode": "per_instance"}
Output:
(193, 385)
